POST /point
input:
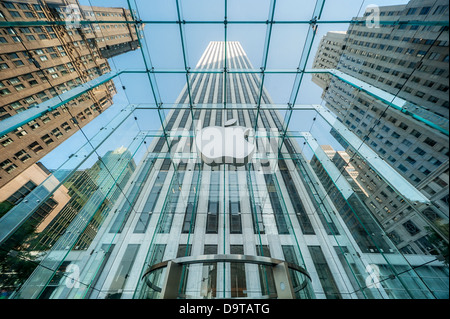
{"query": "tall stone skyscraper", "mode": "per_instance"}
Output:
(185, 229)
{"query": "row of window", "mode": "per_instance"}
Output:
(89, 13)
(48, 139)
(24, 14)
(427, 10)
(424, 169)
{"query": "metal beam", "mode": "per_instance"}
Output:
(5, 24)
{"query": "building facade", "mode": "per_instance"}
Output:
(38, 63)
(410, 63)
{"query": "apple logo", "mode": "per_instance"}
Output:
(226, 144)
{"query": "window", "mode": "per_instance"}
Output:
(421, 53)
(406, 142)
(392, 159)
(5, 163)
(411, 11)
(415, 133)
(45, 119)
(9, 5)
(424, 10)
(419, 151)
(430, 142)
(424, 170)
(443, 88)
(56, 133)
(440, 9)
(411, 228)
(415, 179)
(10, 168)
(6, 142)
(33, 125)
(4, 92)
(410, 160)
(440, 182)
(29, 99)
(66, 127)
(18, 63)
(22, 155)
(433, 99)
(20, 131)
(434, 56)
(35, 147)
(438, 71)
(15, 14)
(19, 87)
(435, 161)
(420, 94)
(15, 105)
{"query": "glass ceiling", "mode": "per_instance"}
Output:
(279, 37)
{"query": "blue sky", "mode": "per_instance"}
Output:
(164, 49)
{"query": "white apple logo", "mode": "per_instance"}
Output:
(225, 145)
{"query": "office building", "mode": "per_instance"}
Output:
(408, 67)
(38, 63)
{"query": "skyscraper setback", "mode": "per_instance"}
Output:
(38, 63)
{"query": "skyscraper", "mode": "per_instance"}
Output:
(38, 63)
(408, 66)
(185, 229)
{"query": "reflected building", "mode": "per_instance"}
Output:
(38, 63)
(272, 228)
(411, 64)
(91, 189)
(28, 180)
